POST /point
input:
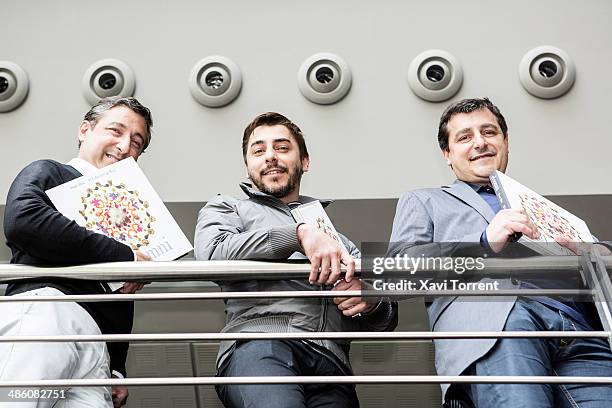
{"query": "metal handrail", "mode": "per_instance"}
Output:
(603, 276)
(349, 379)
(217, 295)
(596, 278)
(241, 270)
(412, 335)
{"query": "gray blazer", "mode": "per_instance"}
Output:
(454, 213)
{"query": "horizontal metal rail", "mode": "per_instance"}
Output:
(149, 337)
(296, 294)
(241, 270)
(349, 379)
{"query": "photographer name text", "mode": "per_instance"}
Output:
(430, 284)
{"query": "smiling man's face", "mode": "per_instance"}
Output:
(119, 133)
(273, 162)
(476, 146)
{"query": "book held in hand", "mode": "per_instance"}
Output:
(118, 201)
(313, 214)
(550, 219)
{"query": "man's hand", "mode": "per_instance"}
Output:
(353, 306)
(507, 223)
(120, 394)
(579, 247)
(141, 256)
(132, 287)
(325, 255)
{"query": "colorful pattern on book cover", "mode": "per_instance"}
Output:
(118, 212)
(549, 220)
(324, 227)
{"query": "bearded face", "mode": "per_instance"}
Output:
(273, 162)
(278, 180)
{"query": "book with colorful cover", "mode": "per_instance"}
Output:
(550, 219)
(313, 214)
(118, 201)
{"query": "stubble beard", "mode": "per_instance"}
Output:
(279, 191)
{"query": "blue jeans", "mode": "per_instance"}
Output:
(283, 358)
(543, 357)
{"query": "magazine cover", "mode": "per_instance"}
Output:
(118, 201)
(550, 219)
(314, 214)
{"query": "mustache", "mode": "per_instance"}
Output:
(278, 167)
(489, 152)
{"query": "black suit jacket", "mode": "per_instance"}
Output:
(38, 234)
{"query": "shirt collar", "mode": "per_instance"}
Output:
(252, 192)
(83, 166)
(480, 188)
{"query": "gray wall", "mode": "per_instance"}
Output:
(376, 143)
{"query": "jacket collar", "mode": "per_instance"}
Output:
(464, 192)
(254, 193)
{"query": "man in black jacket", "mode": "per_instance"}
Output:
(37, 234)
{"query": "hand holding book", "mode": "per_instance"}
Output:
(505, 226)
(325, 255)
(119, 201)
(141, 256)
(322, 244)
(552, 222)
(578, 248)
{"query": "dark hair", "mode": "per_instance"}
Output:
(106, 104)
(274, 119)
(468, 106)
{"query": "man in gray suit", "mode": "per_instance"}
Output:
(473, 137)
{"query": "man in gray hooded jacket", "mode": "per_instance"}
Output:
(260, 227)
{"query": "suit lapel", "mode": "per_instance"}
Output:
(465, 193)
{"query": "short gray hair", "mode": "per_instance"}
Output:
(106, 104)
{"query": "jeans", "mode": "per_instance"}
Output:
(283, 358)
(543, 357)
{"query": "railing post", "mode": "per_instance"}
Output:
(605, 285)
(598, 285)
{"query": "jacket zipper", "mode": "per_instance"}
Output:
(324, 314)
